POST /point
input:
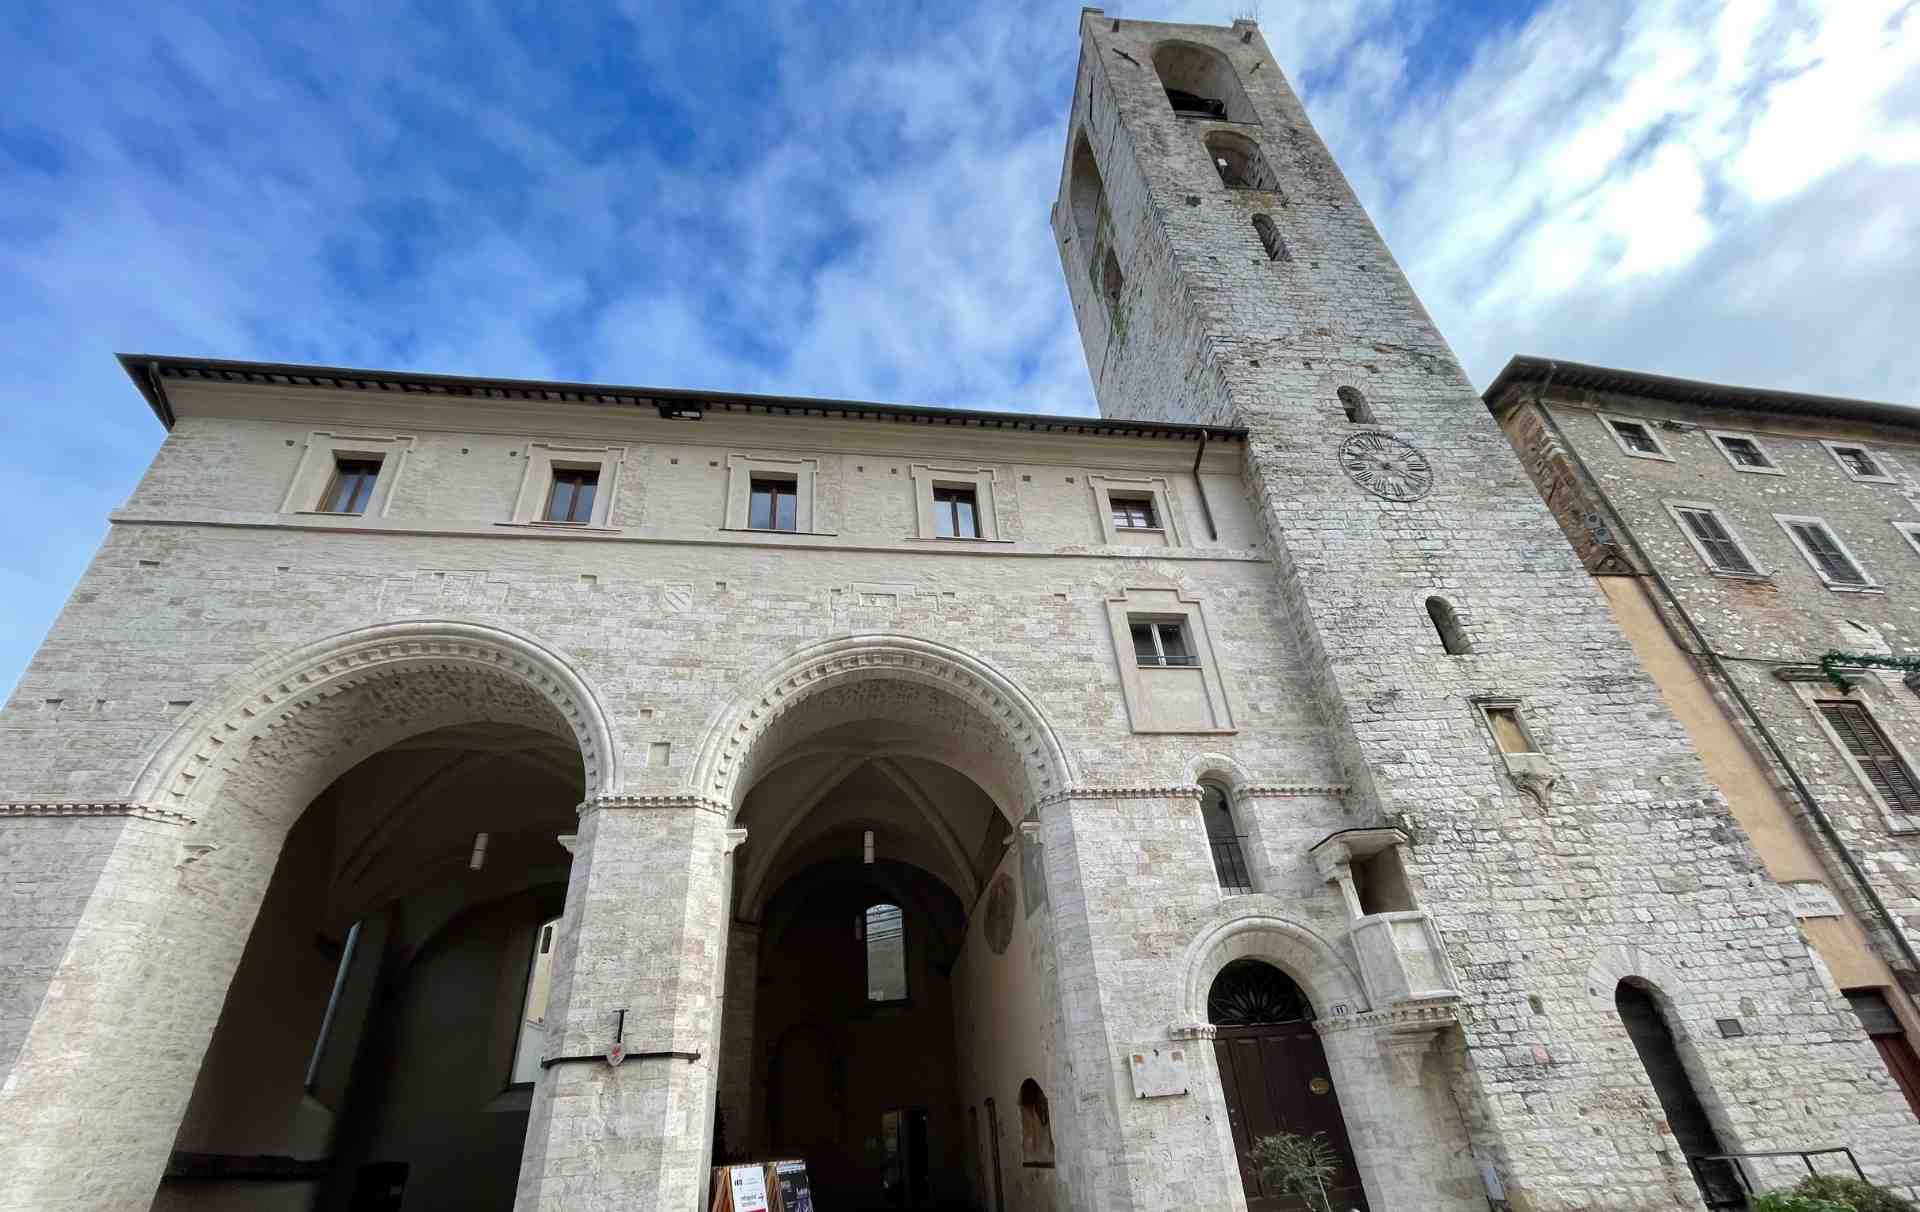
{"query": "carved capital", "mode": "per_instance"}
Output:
(1334, 862)
(735, 839)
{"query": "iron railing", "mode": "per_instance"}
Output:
(1725, 1184)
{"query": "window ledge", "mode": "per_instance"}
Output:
(562, 527)
(1641, 454)
(1139, 530)
(328, 513)
(1140, 730)
(757, 530)
(1876, 589)
(1758, 471)
(948, 538)
(1763, 578)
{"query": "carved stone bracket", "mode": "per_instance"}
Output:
(1192, 1031)
(736, 838)
(145, 812)
(1403, 1033)
(1534, 776)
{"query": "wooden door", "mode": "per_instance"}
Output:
(1276, 1079)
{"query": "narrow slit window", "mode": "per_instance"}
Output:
(1270, 238)
(774, 505)
(1870, 749)
(1133, 513)
(1162, 644)
(1453, 637)
(1225, 840)
(351, 487)
(956, 513)
(884, 930)
(1716, 542)
(1824, 552)
(533, 1008)
(571, 497)
(1636, 437)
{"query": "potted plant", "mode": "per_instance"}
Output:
(1303, 1165)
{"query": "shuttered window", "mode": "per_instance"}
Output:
(1874, 754)
(1723, 554)
(1821, 548)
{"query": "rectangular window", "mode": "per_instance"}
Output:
(1858, 462)
(1744, 452)
(533, 1011)
(773, 505)
(884, 928)
(1824, 551)
(1714, 540)
(1162, 644)
(1635, 437)
(1508, 732)
(1874, 753)
(955, 513)
(351, 487)
(571, 497)
(1133, 513)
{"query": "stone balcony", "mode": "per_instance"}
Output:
(1401, 959)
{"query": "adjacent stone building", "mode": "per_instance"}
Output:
(444, 791)
(1761, 549)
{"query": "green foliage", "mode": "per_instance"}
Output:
(1788, 1201)
(1851, 1193)
(1303, 1165)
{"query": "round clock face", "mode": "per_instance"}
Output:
(1386, 466)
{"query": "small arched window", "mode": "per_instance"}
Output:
(884, 930)
(1239, 162)
(1452, 636)
(1201, 82)
(1086, 196)
(1223, 838)
(1036, 1126)
(1356, 407)
(1270, 239)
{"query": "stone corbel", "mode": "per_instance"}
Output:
(1405, 1053)
(1533, 774)
(736, 838)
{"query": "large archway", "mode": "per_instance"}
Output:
(329, 891)
(890, 975)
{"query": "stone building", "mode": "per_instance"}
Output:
(998, 811)
(1742, 538)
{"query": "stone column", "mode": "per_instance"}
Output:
(645, 931)
(736, 1037)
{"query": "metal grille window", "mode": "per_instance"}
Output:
(571, 497)
(1825, 553)
(774, 505)
(1133, 513)
(1856, 460)
(1722, 552)
(1162, 644)
(1229, 857)
(1745, 451)
(955, 513)
(351, 487)
(1636, 437)
(1874, 754)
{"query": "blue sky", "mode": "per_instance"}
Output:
(851, 199)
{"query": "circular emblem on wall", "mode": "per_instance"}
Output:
(1386, 466)
(1000, 914)
(1319, 1085)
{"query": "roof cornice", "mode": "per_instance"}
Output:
(151, 374)
(1532, 371)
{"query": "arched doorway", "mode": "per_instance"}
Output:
(1680, 1104)
(890, 972)
(1275, 1076)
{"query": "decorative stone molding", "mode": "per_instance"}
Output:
(1256, 928)
(1174, 791)
(654, 803)
(1290, 790)
(130, 808)
(1192, 1031)
(725, 750)
(272, 691)
(1404, 1033)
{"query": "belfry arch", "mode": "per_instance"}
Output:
(881, 783)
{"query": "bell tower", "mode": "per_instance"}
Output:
(1475, 688)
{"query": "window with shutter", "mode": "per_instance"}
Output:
(1821, 547)
(1874, 754)
(1723, 554)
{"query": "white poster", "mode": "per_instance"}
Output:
(749, 1189)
